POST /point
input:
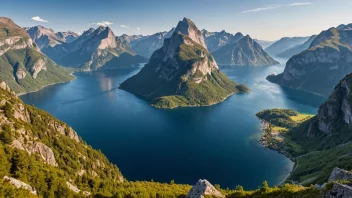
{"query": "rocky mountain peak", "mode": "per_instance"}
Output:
(188, 28)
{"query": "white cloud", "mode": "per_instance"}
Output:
(138, 29)
(271, 7)
(37, 18)
(103, 23)
(299, 4)
(123, 26)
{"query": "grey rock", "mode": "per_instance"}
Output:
(340, 174)
(203, 188)
(339, 191)
(19, 184)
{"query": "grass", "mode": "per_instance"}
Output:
(301, 117)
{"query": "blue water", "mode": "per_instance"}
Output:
(219, 143)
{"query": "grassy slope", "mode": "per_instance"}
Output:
(315, 157)
(27, 58)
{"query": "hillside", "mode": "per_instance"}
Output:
(23, 67)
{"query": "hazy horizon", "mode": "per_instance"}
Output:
(261, 19)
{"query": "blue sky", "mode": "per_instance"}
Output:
(262, 19)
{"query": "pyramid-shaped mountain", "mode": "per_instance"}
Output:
(182, 73)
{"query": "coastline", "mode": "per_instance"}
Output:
(24, 93)
(265, 140)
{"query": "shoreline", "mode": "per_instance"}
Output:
(265, 139)
(24, 93)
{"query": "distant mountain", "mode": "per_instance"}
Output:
(264, 43)
(284, 44)
(23, 67)
(345, 27)
(146, 46)
(182, 73)
(244, 52)
(68, 36)
(297, 49)
(216, 40)
(93, 49)
(319, 69)
(132, 40)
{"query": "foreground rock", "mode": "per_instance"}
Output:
(338, 189)
(182, 73)
(204, 189)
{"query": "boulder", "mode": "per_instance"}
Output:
(203, 188)
(340, 174)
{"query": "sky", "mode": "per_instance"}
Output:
(261, 19)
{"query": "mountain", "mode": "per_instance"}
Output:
(318, 69)
(216, 40)
(284, 44)
(146, 46)
(23, 67)
(45, 37)
(93, 49)
(67, 36)
(297, 49)
(264, 43)
(182, 73)
(244, 52)
(132, 40)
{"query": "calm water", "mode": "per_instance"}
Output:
(218, 143)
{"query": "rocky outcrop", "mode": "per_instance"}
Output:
(43, 151)
(19, 184)
(340, 174)
(177, 71)
(244, 52)
(339, 191)
(204, 189)
(76, 190)
(318, 69)
(337, 108)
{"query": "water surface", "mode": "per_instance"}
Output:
(219, 143)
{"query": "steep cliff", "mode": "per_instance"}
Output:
(182, 73)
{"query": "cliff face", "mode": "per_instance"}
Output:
(22, 64)
(36, 145)
(244, 52)
(180, 71)
(319, 69)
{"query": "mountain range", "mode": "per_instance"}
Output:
(284, 44)
(297, 49)
(23, 66)
(217, 40)
(318, 69)
(243, 52)
(182, 73)
(92, 50)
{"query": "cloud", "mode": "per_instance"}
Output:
(299, 4)
(271, 7)
(103, 23)
(37, 18)
(123, 26)
(138, 29)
